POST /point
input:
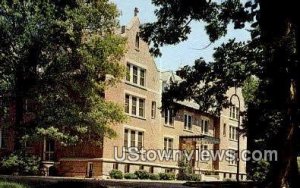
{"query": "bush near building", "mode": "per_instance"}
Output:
(5, 184)
(142, 174)
(130, 176)
(116, 174)
(166, 176)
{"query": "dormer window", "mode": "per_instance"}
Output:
(137, 41)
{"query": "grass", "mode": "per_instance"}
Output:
(4, 184)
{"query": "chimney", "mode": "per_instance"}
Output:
(136, 11)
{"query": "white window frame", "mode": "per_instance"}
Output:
(233, 134)
(205, 126)
(169, 117)
(137, 107)
(204, 147)
(234, 112)
(139, 70)
(233, 162)
(47, 154)
(188, 122)
(136, 138)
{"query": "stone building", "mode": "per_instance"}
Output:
(148, 127)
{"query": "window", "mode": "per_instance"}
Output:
(232, 158)
(151, 169)
(133, 138)
(3, 138)
(168, 144)
(128, 72)
(49, 150)
(234, 112)
(224, 129)
(233, 133)
(153, 110)
(116, 166)
(136, 75)
(142, 167)
(135, 106)
(169, 118)
(187, 122)
(205, 155)
(141, 107)
(142, 77)
(126, 138)
(127, 103)
(204, 126)
(137, 41)
(140, 140)
(126, 168)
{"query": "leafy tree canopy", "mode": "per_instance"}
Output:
(271, 57)
(54, 58)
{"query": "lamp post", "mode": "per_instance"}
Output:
(238, 134)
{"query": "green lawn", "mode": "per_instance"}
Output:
(11, 185)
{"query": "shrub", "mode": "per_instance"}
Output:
(130, 176)
(194, 177)
(142, 174)
(116, 174)
(154, 177)
(20, 164)
(11, 185)
(167, 176)
(188, 177)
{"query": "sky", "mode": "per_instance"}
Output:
(184, 53)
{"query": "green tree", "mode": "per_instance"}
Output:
(56, 60)
(272, 56)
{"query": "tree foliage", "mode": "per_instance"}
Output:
(54, 60)
(271, 56)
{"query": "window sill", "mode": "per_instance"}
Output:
(169, 126)
(186, 130)
(138, 117)
(233, 140)
(233, 119)
(133, 150)
(136, 85)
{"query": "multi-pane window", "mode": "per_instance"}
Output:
(141, 107)
(234, 112)
(128, 72)
(49, 150)
(133, 138)
(233, 133)
(3, 138)
(142, 77)
(153, 109)
(135, 106)
(205, 155)
(168, 145)
(232, 158)
(204, 126)
(127, 103)
(136, 75)
(169, 117)
(187, 122)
